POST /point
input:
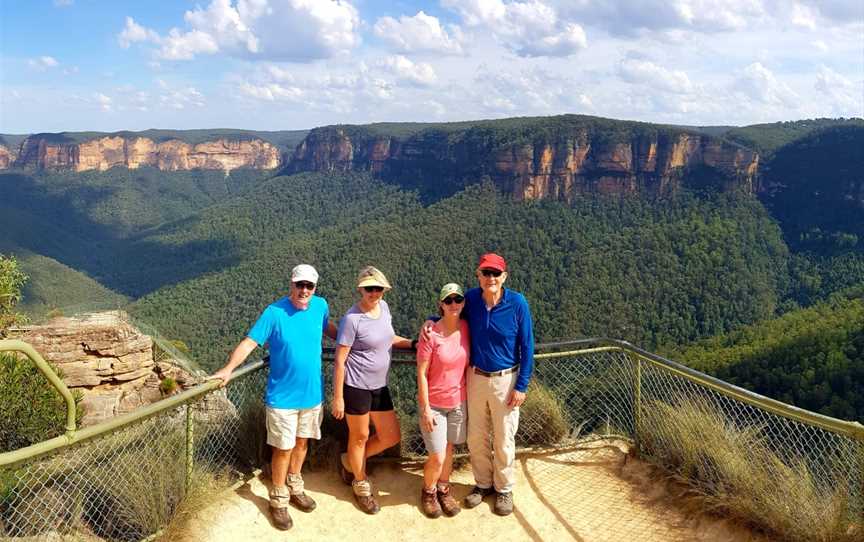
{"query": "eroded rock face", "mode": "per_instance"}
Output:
(40, 152)
(561, 166)
(105, 358)
(6, 157)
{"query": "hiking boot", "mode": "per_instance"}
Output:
(449, 505)
(429, 503)
(363, 496)
(279, 508)
(303, 502)
(503, 504)
(476, 496)
(298, 495)
(344, 469)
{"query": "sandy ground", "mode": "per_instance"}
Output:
(593, 493)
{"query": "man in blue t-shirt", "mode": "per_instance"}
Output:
(292, 328)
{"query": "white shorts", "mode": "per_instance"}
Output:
(285, 425)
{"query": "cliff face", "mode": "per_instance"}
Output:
(40, 152)
(558, 167)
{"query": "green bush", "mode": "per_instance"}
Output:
(31, 409)
(542, 418)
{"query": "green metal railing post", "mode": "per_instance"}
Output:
(190, 443)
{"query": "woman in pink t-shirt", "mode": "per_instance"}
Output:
(442, 362)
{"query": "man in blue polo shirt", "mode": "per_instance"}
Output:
(292, 328)
(502, 360)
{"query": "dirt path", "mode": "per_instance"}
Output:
(591, 494)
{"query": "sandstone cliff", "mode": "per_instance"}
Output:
(106, 359)
(51, 152)
(577, 158)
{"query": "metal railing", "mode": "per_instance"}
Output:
(123, 479)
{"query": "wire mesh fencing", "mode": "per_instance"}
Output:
(126, 484)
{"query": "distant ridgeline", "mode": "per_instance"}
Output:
(661, 235)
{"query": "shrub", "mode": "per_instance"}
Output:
(542, 418)
(31, 409)
(734, 472)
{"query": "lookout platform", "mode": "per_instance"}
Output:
(594, 492)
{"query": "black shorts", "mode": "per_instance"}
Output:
(359, 401)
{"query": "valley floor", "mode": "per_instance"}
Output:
(591, 494)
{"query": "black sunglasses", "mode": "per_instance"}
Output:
(300, 285)
(491, 272)
(453, 299)
(371, 289)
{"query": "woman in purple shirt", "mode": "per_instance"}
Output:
(360, 394)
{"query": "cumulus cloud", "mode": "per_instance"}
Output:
(103, 101)
(759, 84)
(134, 32)
(43, 63)
(63, 3)
(420, 33)
(644, 72)
(842, 95)
(294, 30)
(405, 70)
(529, 28)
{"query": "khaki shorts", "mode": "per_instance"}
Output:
(285, 425)
(450, 425)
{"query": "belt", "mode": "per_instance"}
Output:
(502, 372)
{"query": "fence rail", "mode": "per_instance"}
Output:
(123, 479)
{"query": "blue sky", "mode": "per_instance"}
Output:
(74, 65)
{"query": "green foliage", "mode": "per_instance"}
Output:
(767, 138)
(653, 274)
(543, 418)
(812, 358)
(286, 139)
(31, 409)
(11, 281)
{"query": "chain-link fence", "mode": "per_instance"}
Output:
(125, 483)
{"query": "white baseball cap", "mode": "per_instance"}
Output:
(304, 272)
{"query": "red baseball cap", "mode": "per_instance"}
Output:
(490, 260)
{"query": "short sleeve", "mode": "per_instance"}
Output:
(424, 350)
(347, 331)
(326, 318)
(263, 328)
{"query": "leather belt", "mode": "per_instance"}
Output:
(502, 372)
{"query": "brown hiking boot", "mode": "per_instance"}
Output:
(344, 469)
(503, 504)
(476, 496)
(303, 502)
(279, 508)
(429, 503)
(449, 505)
(363, 496)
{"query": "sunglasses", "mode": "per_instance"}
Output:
(371, 289)
(453, 299)
(304, 285)
(491, 272)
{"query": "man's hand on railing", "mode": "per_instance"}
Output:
(223, 374)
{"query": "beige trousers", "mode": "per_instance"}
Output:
(492, 429)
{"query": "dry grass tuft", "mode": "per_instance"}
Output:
(733, 472)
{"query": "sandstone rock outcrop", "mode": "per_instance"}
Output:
(105, 358)
(559, 164)
(6, 157)
(102, 153)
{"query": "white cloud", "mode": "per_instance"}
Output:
(803, 16)
(293, 30)
(103, 101)
(43, 63)
(843, 96)
(134, 32)
(420, 33)
(759, 84)
(405, 70)
(63, 3)
(651, 76)
(530, 28)
(820, 46)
